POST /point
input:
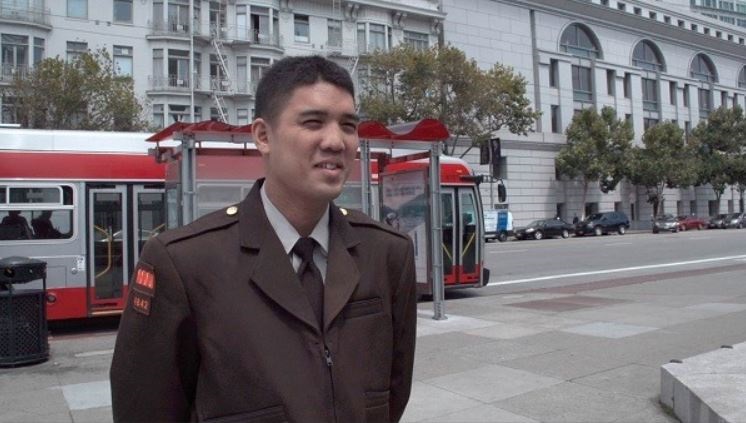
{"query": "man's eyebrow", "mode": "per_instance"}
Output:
(323, 114)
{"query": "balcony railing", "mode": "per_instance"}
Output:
(582, 96)
(9, 73)
(172, 28)
(650, 105)
(25, 14)
(202, 83)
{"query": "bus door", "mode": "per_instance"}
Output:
(470, 236)
(149, 217)
(108, 242)
(448, 208)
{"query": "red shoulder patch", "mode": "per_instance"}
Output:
(144, 280)
(141, 303)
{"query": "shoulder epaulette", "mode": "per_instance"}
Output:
(216, 220)
(358, 218)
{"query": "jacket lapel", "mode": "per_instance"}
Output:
(342, 273)
(273, 273)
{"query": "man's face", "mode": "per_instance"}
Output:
(310, 146)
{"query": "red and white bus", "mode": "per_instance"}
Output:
(86, 202)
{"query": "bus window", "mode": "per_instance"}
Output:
(36, 212)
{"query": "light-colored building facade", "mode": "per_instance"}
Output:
(652, 63)
(650, 60)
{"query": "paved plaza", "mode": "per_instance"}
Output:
(586, 353)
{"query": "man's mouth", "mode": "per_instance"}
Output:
(329, 165)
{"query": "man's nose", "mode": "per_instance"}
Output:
(334, 138)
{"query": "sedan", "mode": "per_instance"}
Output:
(544, 228)
(691, 222)
(665, 223)
(717, 222)
(735, 220)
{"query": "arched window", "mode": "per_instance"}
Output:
(703, 69)
(646, 55)
(579, 40)
(742, 78)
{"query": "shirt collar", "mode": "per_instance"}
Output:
(287, 233)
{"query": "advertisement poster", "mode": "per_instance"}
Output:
(404, 206)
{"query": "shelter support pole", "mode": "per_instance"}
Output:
(366, 177)
(436, 234)
(188, 180)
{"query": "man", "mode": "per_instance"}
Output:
(228, 319)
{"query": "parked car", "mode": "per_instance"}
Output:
(691, 222)
(545, 228)
(717, 222)
(666, 222)
(735, 220)
(603, 223)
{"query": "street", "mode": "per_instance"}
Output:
(572, 330)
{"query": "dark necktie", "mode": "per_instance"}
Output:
(310, 277)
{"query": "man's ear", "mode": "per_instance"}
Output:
(260, 133)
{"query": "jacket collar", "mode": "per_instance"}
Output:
(273, 273)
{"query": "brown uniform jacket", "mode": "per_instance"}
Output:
(225, 332)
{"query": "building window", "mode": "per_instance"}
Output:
(242, 117)
(553, 72)
(259, 66)
(217, 18)
(742, 78)
(724, 98)
(582, 84)
(263, 29)
(687, 128)
(653, 15)
(672, 92)
(158, 81)
(334, 33)
(610, 82)
(302, 29)
(621, 6)
(693, 207)
(214, 115)
(694, 27)
(686, 95)
(703, 69)
(648, 123)
(158, 115)
(123, 11)
(38, 50)
(77, 9)
(123, 60)
(628, 118)
(637, 11)
(416, 40)
(242, 74)
(555, 119)
(735, 99)
(649, 94)
(627, 84)
(372, 37)
(667, 19)
(579, 40)
(14, 55)
(705, 102)
(178, 113)
(681, 23)
(75, 50)
(646, 55)
(178, 68)
(218, 79)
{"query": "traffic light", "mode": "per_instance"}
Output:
(496, 154)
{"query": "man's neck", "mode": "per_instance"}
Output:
(302, 215)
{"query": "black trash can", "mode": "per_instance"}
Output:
(23, 312)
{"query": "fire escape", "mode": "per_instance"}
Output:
(221, 83)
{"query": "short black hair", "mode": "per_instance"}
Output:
(278, 84)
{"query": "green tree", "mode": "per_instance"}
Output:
(717, 142)
(406, 84)
(665, 161)
(738, 171)
(82, 94)
(597, 149)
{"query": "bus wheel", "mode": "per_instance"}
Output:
(502, 237)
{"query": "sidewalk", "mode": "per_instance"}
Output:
(592, 353)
